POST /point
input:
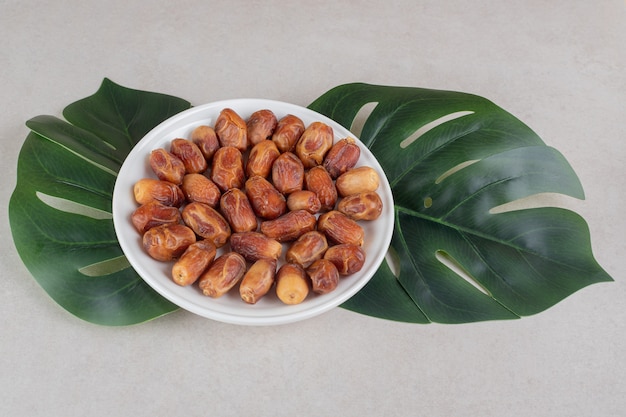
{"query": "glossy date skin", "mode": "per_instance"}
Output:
(347, 258)
(258, 280)
(261, 158)
(267, 202)
(167, 242)
(207, 222)
(237, 210)
(357, 180)
(319, 181)
(227, 169)
(261, 125)
(188, 152)
(307, 249)
(289, 226)
(339, 228)
(304, 200)
(288, 173)
(292, 285)
(231, 130)
(167, 166)
(315, 142)
(342, 156)
(193, 262)
(365, 206)
(287, 133)
(150, 189)
(223, 274)
(324, 276)
(254, 246)
(206, 140)
(198, 188)
(153, 214)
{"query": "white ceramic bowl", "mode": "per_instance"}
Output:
(230, 308)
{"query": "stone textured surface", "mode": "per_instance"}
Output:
(558, 66)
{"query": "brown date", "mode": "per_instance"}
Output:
(153, 214)
(324, 276)
(262, 156)
(150, 189)
(361, 206)
(167, 242)
(206, 140)
(357, 180)
(193, 262)
(287, 132)
(231, 130)
(190, 154)
(258, 280)
(199, 188)
(267, 202)
(167, 166)
(227, 169)
(315, 142)
(308, 248)
(287, 173)
(339, 228)
(347, 258)
(318, 180)
(289, 226)
(254, 246)
(222, 275)
(207, 222)
(237, 210)
(304, 200)
(261, 125)
(341, 157)
(292, 285)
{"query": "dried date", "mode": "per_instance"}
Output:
(288, 132)
(287, 173)
(315, 142)
(207, 222)
(150, 189)
(153, 214)
(231, 130)
(223, 274)
(167, 166)
(261, 125)
(339, 228)
(238, 211)
(193, 262)
(190, 154)
(167, 242)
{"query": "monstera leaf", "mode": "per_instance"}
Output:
(60, 211)
(454, 162)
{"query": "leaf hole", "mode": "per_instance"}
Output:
(361, 117)
(431, 125)
(447, 260)
(72, 207)
(110, 266)
(455, 169)
(393, 260)
(534, 201)
(428, 202)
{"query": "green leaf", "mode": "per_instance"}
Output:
(60, 210)
(455, 161)
(459, 253)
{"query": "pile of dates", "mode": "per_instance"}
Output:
(257, 187)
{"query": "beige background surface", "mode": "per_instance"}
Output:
(560, 66)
